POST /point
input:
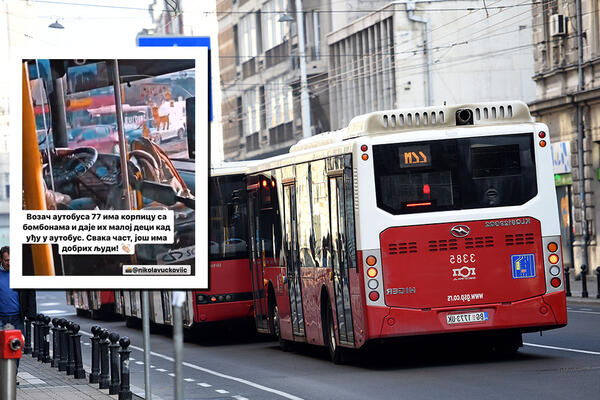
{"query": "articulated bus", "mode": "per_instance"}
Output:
(229, 295)
(407, 223)
(98, 303)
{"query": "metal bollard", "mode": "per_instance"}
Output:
(79, 372)
(55, 344)
(584, 291)
(40, 337)
(95, 374)
(10, 351)
(598, 279)
(64, 344)
(125, 392)
(27, 333)
(46, 340)
(70, 349)
(114, 363)
(567, 282)
(104, 379)
(36, 337)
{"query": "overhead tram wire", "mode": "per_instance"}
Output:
(435, 48)
(416, 67)
(332, 77)
(145, 9)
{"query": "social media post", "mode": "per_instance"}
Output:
(108, 171)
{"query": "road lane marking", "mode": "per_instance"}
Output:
(171, 374)
(585, 312)
(161, 370)
(215, 373)
(221, 391)
(204, 384)
(189, 380)
(139, 362)
(596, 353)
(54, 312)
(238, 397)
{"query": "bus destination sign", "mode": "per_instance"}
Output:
(415, 156)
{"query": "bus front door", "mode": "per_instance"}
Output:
(337, 208)
(256, 250)
(293, 262)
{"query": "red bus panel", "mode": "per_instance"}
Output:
(229, 295)
(462, 264)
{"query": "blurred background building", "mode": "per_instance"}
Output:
(557, 99)
(361, 57)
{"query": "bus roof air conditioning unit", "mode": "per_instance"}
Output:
(558, 25)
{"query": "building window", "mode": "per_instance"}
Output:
(273, 30)
(251, 118)
(280, 105)
(247, 37)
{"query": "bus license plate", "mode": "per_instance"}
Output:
(467, 317)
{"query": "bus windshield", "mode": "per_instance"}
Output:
(455, 174)
(228, 219)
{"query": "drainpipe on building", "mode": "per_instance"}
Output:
(580, 139)
(410, 7)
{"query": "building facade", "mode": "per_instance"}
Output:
(430, 53)
(260, 74)
(559, 94)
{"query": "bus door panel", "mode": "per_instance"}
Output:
(293, 262)
(340, 263)
(258, 286)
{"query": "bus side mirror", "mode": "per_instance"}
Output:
(159, 192)
(190, 123)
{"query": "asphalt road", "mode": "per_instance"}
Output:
(235, 363)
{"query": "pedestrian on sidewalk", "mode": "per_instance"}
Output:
(15, 305)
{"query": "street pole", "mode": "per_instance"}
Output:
(304, 98)
(178, 300)
(146, 333)
(580, 139)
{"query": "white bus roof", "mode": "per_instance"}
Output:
(395, 121)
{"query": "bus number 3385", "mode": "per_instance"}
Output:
(462, 258)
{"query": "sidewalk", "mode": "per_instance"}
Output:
(39, 381)
(592, 289)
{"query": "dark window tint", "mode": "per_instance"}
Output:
(228, 238)
(455, 174)
(492, 160)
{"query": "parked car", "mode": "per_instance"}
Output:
(103, 138)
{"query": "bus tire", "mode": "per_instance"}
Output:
(336, 353)
(180, 133)
(508, 344)
(82, 313)
(133, 322)
(284, 344)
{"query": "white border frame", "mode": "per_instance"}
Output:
(197, 281)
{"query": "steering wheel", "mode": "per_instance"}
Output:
(69, 164)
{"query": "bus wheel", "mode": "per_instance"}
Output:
(335, 352)
(180, 133)
(507, 345)
(285, 345)
(82, 313)
(133, 322)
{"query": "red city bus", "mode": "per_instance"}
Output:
(408, 223)
(99, 303)
(229, 296)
